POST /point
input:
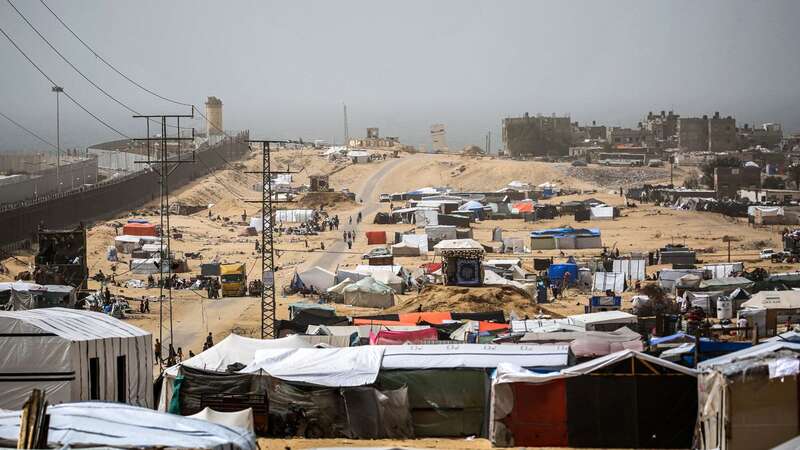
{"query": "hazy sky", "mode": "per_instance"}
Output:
(284, 69)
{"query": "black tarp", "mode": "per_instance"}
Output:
(631, 411)
(372, 414)
(306, 317)
(451, 219)
(490, 316)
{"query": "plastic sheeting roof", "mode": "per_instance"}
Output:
(508, 373)
(235, 348)
(70, 324)
(751, 352)
(100, 424)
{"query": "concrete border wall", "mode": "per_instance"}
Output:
(110, 197)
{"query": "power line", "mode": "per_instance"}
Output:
(28, 131)
(64, 91)
(66, 60)
(139, 85)
(108, 63)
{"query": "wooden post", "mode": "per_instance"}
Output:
(34, 422)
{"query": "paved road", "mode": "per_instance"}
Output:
(371, 204)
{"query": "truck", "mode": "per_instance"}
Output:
(233, 278)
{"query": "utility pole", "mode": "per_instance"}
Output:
(267, 241)
(58, 90)
(162, 163)
(346, 131)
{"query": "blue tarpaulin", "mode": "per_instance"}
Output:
(556, 272)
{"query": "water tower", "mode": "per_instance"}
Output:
(214, 116)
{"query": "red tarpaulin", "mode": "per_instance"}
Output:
(381, 322)
(431, 267)
(539, 416)
(376, 237)
(387, 337)
(523, 207)
(139, 229)
(491, 326)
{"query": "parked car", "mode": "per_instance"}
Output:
(767, 253)
(579, 163)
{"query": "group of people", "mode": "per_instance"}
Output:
(176, 356)
(349, 237)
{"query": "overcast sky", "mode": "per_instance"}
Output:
(284, 69)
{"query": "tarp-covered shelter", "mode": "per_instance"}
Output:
(369, 293)
(115, 425)
(73, 355)
(601, 212)
(389, 337)
(405, 249)
(626, 399)
(21, 295)
(749, 399)
(376, 237)
(317, 278)
(418, 240)
(139, 229)
(634, 269)
(127, 244)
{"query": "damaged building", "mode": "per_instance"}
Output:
(537, 136)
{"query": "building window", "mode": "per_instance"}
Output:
(94, 378)
(122, 378)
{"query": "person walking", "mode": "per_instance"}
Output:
(180, 354)
(209, 340)
(157, 352)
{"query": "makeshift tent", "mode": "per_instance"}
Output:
(229, 351)
(668, 277)
(613, 281)
(376, 237)
(369, 293)
(297, 307)
(590, 344)
(139, 229)
(426, 216)
(626, 399)
(316, 278)
(525, 206)
(404, 249)
(388, 337)
(605, 320)
(418, 240)
(726, 284)
(127, 244)
(723, 270)
(116, 425)
(558, 272)
(601, 213)
(439, 233)
(73, 355)
(749, 399)
(20, 295)
(241, 419)
(633, 269)
(290, 216)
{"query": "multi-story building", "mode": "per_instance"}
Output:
(693, 133)
(625, 136)
(721, 134)
(728, 181)
(661, 126)
(537, 136)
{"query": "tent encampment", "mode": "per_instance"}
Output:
(73, 355)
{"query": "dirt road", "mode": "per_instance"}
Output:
(336, 253)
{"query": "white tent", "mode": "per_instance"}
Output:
(240, 419)
(634, 269)
(232, 349)
(405, 249)
(73, 355)
(369, 293)
(614, 281)
(317, 278)
(127, 244)
(115, 425)
(292, 215)
(601, 213)
(605, 320)
(418, 240)
(424, 217)
(724, 270)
